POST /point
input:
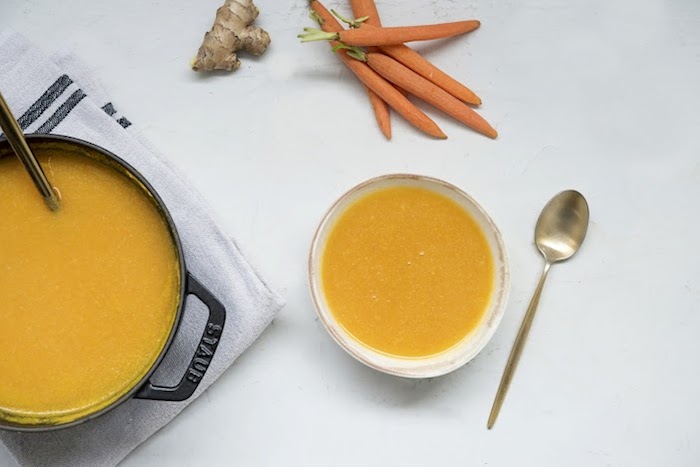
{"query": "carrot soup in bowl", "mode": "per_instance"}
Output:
(409, 275)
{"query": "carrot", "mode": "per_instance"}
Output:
(393, 97)
(388, 36)
(427, 70)
(376, 83)
(381, 109)
(366, 8)
(420, 87)
(408, 56)
(429, 92)
(381, 112)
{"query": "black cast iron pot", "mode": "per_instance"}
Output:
(144, 389)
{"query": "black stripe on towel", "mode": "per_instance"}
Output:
(44, 102)
(62, 112)
(124, 122)
(109, 109)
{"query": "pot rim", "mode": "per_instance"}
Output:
(76, 142)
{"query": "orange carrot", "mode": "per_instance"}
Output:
(395, 35)
(420, 87)
(393, 97)
(376, 83)
(427, 70)
(367, 8)
(411, 58)
(381, 112)
(381, 109)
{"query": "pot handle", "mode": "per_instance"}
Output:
(203, 355)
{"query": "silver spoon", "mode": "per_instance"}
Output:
(19, 145)
(559, 234)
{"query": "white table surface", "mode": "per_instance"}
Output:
(595, 95)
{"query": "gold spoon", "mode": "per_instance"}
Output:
(19, 145)
(559, 234)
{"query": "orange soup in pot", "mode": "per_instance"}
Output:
(88, 294)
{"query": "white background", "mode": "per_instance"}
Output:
(597, 95)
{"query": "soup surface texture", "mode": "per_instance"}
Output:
(88, 295)
(407, 271)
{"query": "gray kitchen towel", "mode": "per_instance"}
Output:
(57, 95)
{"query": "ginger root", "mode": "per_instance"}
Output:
(229, 34)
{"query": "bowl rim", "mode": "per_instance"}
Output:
(360, 351)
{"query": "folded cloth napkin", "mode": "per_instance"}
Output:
(57, 95)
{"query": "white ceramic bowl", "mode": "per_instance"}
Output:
(463, 351)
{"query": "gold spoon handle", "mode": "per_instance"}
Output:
(517, 349)
(19, 145)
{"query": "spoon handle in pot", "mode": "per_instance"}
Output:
(14, 135)
(517, 349)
